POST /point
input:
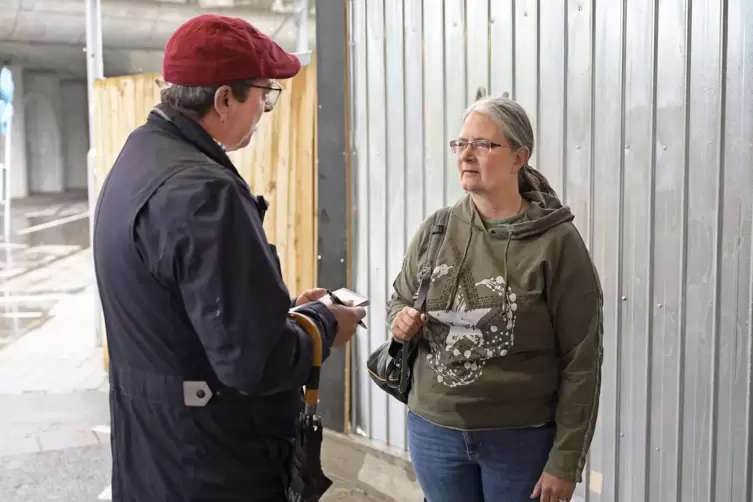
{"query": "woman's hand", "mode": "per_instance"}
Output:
(309, 296)
(553, 489)
(407, 323)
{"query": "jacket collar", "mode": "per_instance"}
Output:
(166, 117)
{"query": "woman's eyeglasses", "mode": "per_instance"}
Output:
(479, 146)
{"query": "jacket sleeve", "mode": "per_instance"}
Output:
(407, 281)
(233, 292)
(575, 303)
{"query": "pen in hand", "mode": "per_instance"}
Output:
(338, 301)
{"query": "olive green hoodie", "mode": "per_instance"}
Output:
(515, 327)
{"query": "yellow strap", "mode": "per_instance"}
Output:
(312, 395)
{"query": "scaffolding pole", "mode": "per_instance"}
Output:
(94, 72)
(302, 42)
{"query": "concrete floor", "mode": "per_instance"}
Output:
(46, 260)
(54, 416)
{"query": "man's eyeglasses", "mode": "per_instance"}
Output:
(479, 146)
(273, 93)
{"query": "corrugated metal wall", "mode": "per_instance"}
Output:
(644, 119)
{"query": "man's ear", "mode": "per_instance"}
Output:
(222, 100)
(481, 92)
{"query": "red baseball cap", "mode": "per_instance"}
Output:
(212, 50)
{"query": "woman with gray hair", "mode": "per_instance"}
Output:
(505, 387)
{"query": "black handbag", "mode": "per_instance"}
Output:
(390, 365)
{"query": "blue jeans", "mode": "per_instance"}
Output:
(499, 465)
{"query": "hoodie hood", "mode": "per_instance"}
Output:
(546, 212)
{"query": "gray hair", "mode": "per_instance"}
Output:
(198, 100)
(513, 123)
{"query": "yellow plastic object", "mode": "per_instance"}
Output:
(312, 386)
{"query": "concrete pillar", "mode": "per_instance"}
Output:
(43, 132)
(75, 132)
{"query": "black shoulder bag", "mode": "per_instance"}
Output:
(390, 365)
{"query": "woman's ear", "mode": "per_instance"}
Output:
(481, 92)
(522, 156)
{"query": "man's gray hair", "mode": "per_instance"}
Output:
(184, 97)
(198, 100)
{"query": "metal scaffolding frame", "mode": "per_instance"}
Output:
(94, 72)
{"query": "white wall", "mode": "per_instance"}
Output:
(43, 132)
(50, 134)
(75, 132)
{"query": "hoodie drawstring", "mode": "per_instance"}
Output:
(456, 282)
(507, 275)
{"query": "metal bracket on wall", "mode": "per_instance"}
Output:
(304, 57)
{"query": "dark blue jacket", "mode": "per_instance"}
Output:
(191, 292)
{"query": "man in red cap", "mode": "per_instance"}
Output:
(206, 368)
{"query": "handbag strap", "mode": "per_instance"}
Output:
(437, 235)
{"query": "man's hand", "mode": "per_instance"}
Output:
(309, 296)
(347, 321)
(347, 316)
(553, 489)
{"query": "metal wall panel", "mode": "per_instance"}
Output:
(362, 390)
(396, 196)
(525, 73)
(608, 242)
(454, 91)
(667, 313)
(552, 98)
(434, 110)
(644, 118)
(379, 192)
(501, 47)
